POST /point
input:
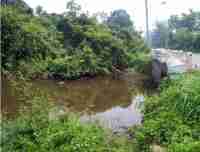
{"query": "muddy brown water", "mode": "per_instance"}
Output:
(102, 98)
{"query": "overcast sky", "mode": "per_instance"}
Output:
(134, 7)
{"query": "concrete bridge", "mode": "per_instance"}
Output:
(177, 61)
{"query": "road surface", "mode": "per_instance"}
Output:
(196, 59)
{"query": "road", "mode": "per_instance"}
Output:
(196, 59)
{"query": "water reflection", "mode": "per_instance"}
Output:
(94, 95)
(118, 119)
(100, 97)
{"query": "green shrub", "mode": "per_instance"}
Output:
(140, 62)
(36, 132)
(23, 37)
(185, 147)
(34, 68)
(171, 118)
(85, 62)
(67, 67)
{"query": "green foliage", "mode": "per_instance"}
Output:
(21, 5)
(189, 21)
(186, 40)
(186, 92)
(68, 45)
(122, 27)
(23, 37)
(73, 8)
(181, 32)
(139, 62)
(58, 135)
(185, 147)
(36, 132)
(172, 117)
(119, 19)
(84, 63)
(67, 67)
(34, 68)
(88, 33)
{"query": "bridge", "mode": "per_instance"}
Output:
(177, 61)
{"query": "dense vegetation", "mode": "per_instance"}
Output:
(171, 119)
(61, 46)
(74, 44)
(67, 45)
(181, 32)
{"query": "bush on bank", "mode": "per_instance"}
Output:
(171, 119)
(75, 45)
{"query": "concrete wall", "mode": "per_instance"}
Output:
(187, 58)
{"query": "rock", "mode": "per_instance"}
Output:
(61, 83)
(45, 76)
(159, 70)
(56, 76)
(157, 148)
(164, 70)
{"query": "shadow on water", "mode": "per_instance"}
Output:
(101, 97)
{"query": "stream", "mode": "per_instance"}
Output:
(113, 103)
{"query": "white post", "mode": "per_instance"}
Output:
(147, 23)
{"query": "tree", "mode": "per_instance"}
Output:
(39, 10)
(20, 4)
(24, 37)
(119, 19)
(73, 8)
(75, 42)
(190, 21)
(160, 36)
(185, 31)
(181, 32)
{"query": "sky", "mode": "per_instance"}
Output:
(136, 8)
